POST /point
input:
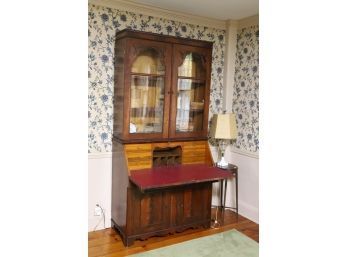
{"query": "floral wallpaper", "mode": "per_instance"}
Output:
(103, 23)
(246, 93)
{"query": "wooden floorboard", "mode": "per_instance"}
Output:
(108, 243)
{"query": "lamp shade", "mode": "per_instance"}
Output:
(224, 126)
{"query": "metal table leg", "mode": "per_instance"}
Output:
(225, 189)
(236, 179)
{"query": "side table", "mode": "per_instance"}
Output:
(223, 188)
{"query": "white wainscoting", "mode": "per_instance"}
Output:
(99, 189)
(248, 183)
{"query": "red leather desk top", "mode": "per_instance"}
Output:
(160, 177)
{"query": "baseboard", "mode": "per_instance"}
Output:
(93, 221)
(248, 211)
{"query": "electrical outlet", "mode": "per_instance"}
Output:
(97, 211)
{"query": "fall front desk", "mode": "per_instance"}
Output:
(168, 199)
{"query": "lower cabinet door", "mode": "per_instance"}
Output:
(167, 210)
(149, 211)
(192, 205)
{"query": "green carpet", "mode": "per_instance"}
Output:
(229, 243)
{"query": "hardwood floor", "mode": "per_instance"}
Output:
(107, 242)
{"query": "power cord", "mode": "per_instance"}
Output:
(100, 219)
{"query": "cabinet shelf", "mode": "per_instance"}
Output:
(147, 81)
(192, 110)
(147, 74)
(193, 79)
(196, 110)
(148, 108)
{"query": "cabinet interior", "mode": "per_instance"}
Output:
(167, 156)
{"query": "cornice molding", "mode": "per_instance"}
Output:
(160, 13)
(248, 22)
(232, 23)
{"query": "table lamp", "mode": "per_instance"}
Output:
(224, 128)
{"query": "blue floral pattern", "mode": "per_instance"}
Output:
(246, 93)
(103, 23)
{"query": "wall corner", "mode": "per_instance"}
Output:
(230, 63)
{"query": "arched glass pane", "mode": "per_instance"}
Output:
(148, 61)
(192, 66)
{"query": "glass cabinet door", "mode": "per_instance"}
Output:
(192, 80)
(147, 102)
(148, 81)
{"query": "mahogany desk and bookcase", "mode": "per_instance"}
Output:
(162, 170)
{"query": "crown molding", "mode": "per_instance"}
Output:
(160, 13)
(248, 22)
(232, 24)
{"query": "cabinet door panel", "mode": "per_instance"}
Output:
(147, 83)
(191, 89)
(193, 204)
(149, 211)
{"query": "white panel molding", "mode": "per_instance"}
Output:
(160, 13)
(248, 22)
(99, 189)
(233, 149)
(214, 152)
(245, 153)
(99, 155)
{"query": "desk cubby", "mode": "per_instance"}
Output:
(167, 156)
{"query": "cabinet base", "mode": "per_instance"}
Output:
(128, 240)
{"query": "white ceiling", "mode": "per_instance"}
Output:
(217, 9)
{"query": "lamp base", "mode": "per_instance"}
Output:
(222, 163)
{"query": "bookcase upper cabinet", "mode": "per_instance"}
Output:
(162, 87)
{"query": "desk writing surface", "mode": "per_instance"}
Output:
(160, 177)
